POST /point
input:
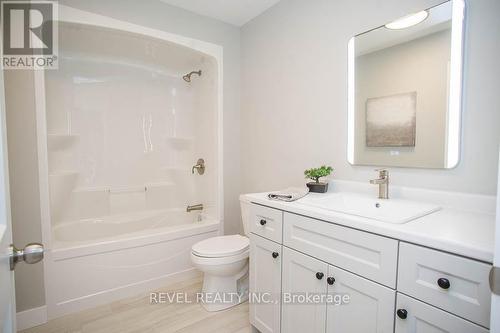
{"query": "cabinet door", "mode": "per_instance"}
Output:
(370, 306)
(304, 284)
(265, 284)
(413, 316)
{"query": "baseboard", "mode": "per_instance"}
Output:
(108, 296)
(31, 318)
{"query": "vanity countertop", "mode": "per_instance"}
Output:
(466, 233)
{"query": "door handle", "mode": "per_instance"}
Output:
(31, 254)
(495, 280)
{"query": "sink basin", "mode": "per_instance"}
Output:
(396, 211)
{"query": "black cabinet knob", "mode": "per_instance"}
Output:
(444, 283)
(330, 280)
(319, 275)
(263, 222)
(275, 255)
(402, 313)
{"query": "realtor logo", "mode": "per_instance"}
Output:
(29, 35)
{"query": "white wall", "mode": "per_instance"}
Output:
(294, 88)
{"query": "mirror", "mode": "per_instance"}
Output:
(404, 90)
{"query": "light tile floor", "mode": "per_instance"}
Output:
(136, 315)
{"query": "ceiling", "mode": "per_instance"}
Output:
(235, 12)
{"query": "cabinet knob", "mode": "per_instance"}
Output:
(330, 280)
(319, 275)
(263, 222)
(275, 255)
(402, 313)
(444, 283)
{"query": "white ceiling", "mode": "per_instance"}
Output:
(235, 12)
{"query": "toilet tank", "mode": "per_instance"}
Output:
(245, 213)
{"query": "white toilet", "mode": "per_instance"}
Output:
(224, 263)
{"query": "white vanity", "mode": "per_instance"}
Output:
(429, 274)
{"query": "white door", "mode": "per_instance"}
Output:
(495, 300)
(7, 300)
(368, 309)
(265, 284)
(303, 276)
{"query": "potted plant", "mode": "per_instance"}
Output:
(315, 174)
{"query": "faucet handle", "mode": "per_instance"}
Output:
(382, 172)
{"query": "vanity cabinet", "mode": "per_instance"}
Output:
(370, 307)
(303, 275)
(391, 285)
(265, 282)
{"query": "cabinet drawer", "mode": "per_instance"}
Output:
(423, 318)
(266, 222)
(368, 255)
(450, 282)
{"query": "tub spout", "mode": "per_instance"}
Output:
(194, 207)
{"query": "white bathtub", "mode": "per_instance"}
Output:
(119, 225)
(96, 261)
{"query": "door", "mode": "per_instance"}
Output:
(495, 273)
(265, 284)
(7, 300)
(368, 307)
(303, 283)
(413, 316)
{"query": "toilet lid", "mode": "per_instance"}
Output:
(221, 246)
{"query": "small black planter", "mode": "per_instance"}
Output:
(317, 187)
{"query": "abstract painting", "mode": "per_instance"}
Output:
(391, 120)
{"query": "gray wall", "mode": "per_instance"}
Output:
(294, 93)
(23, 177)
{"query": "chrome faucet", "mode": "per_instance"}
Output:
(383, 183)
(194, 207)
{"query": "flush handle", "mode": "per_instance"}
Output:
(31, 254)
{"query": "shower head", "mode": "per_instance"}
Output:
(187, 77)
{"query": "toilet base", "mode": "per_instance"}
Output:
(222, 292)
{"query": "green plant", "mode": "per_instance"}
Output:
(316, 173)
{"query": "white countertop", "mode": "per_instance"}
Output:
(451, 229)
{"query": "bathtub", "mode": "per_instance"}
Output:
(123, 225)
(96, 261)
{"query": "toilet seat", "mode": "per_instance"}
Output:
(221, 247)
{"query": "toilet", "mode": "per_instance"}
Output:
(224, 263)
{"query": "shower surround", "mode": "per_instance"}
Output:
(119, 131)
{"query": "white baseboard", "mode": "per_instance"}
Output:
(31, 318)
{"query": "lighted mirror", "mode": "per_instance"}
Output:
(405, 90)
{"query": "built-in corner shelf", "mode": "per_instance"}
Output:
(61, 141)
(67, 175)
(180, 143)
